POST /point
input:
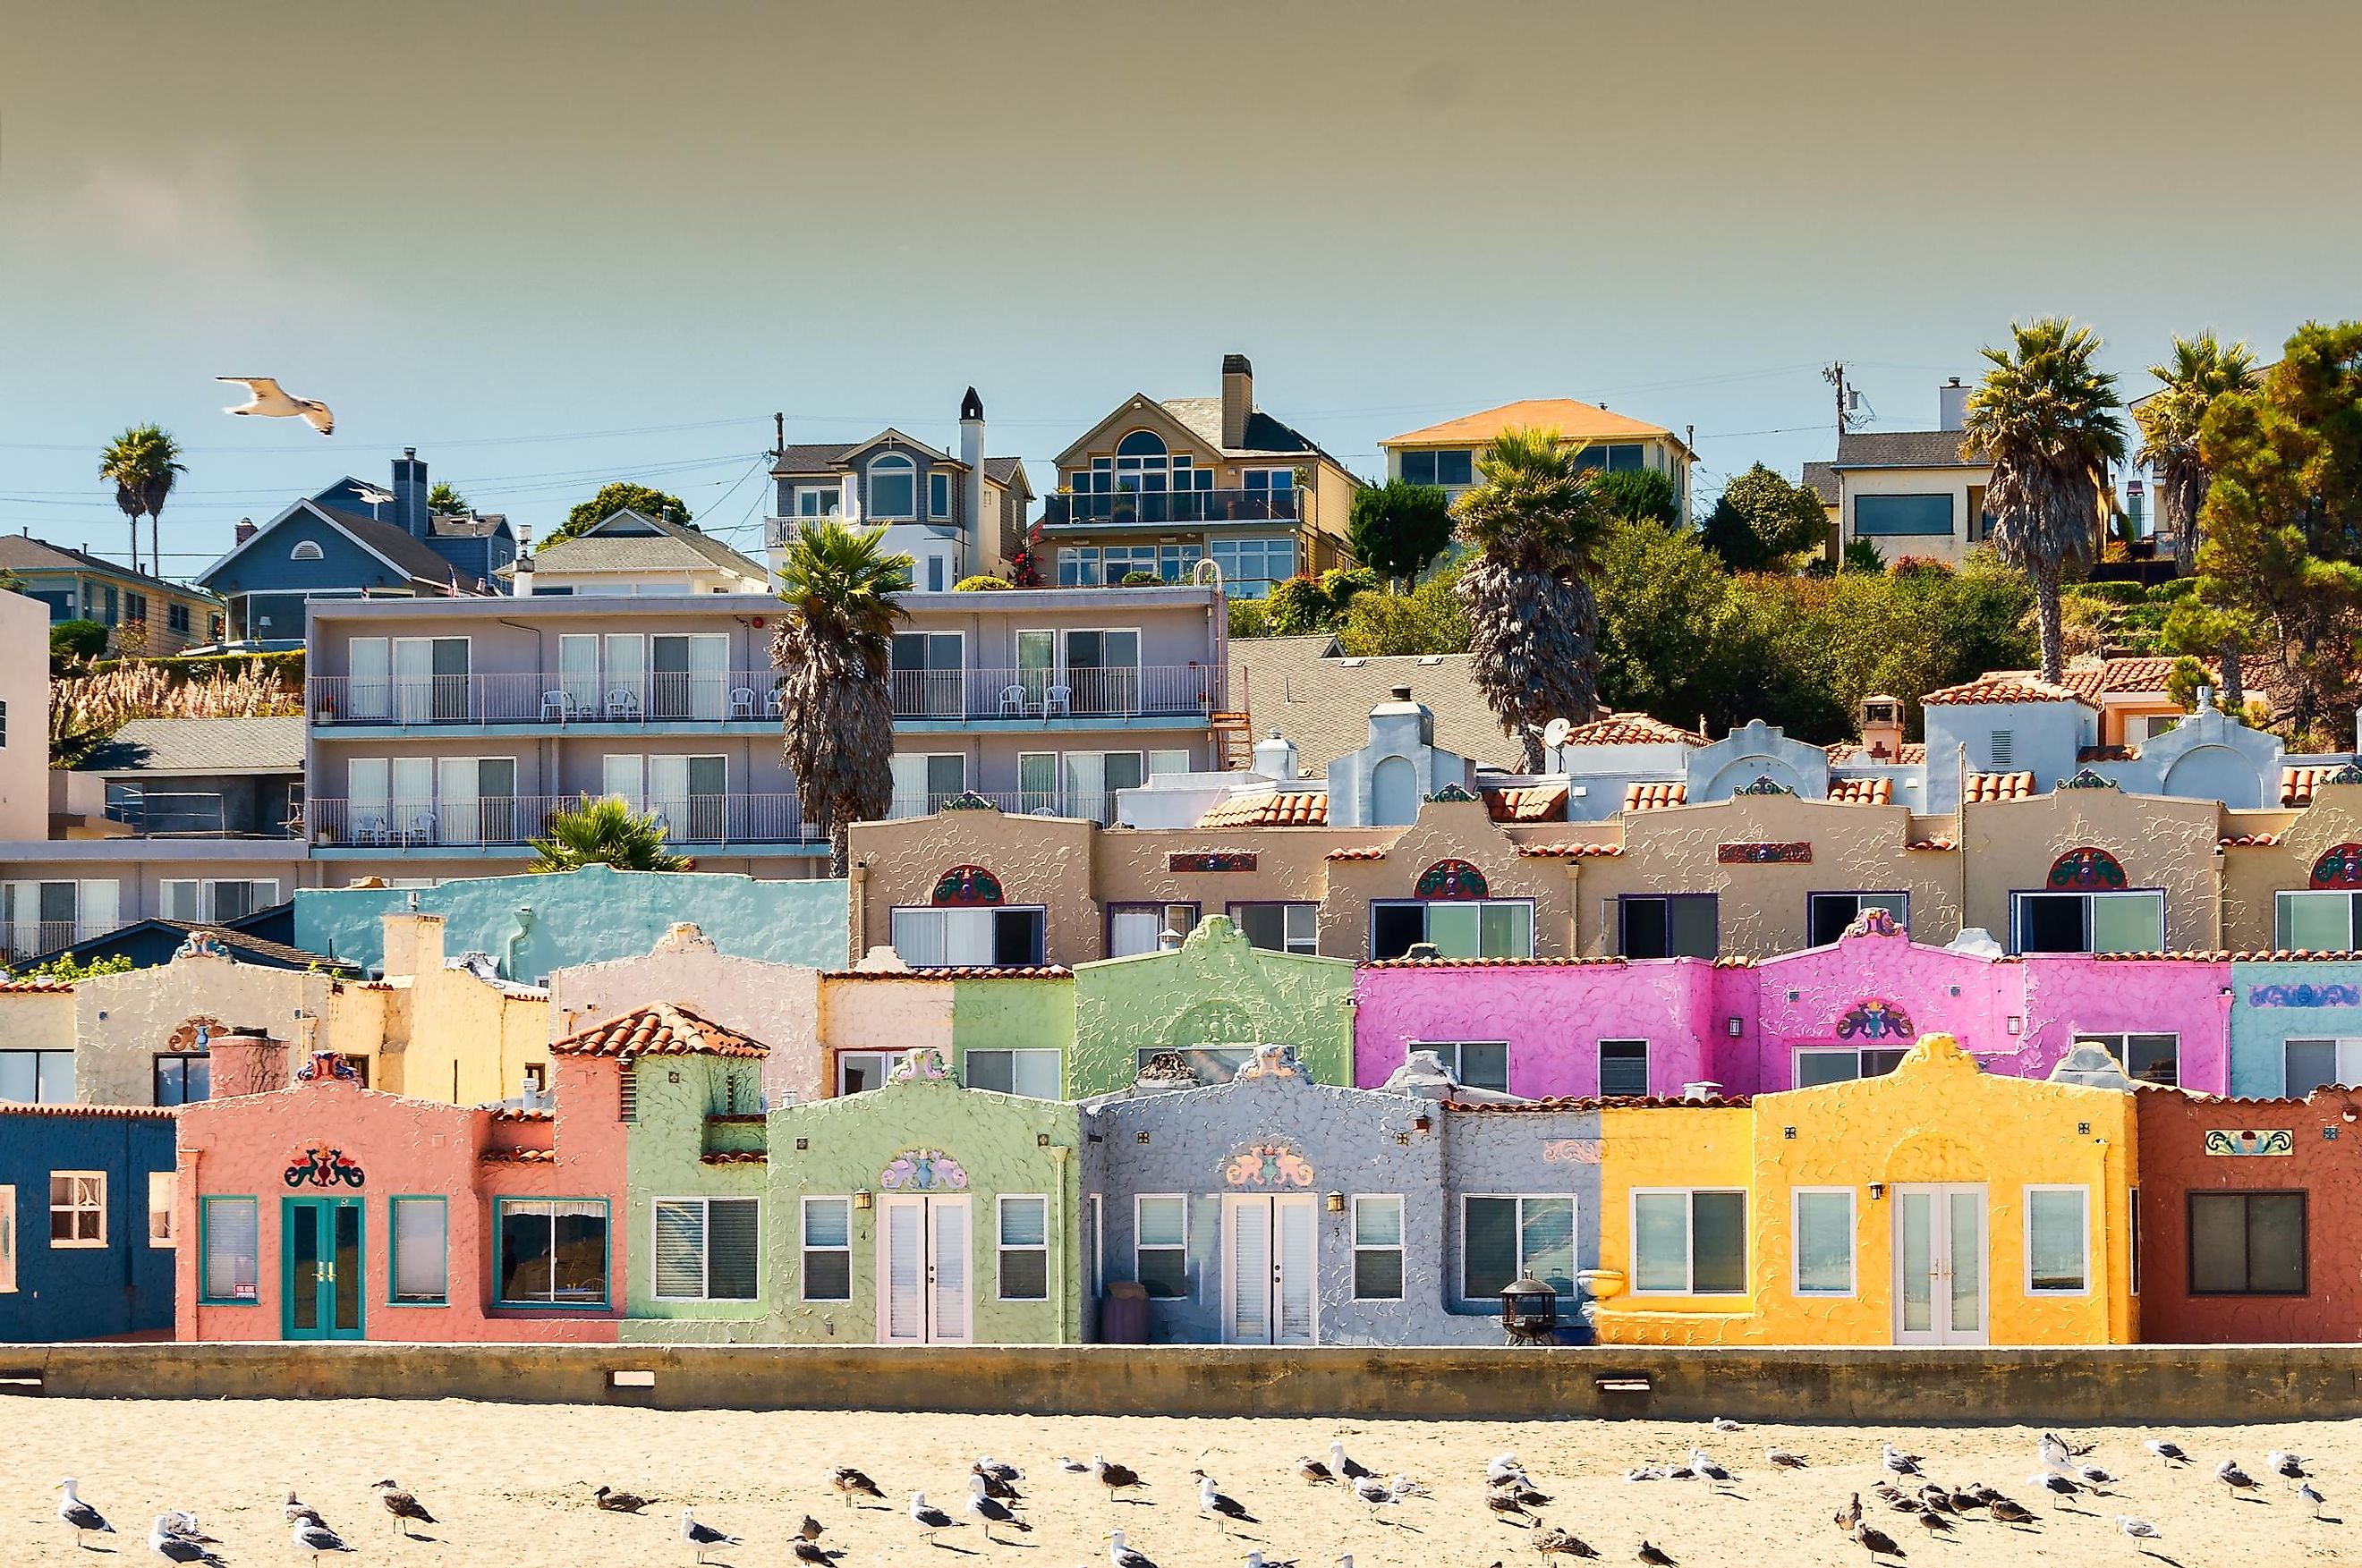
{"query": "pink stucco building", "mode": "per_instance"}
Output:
(1846, 1010)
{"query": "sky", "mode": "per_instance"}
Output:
(551, 244)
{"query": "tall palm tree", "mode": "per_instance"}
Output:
(605, 832)
(144, 463)
(2201, 370)
(2045, 417)
(836, 646)
(1534, 519)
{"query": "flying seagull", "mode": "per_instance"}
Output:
(265, 399)
(401, 1506)
(309, 1535)
(703, 1538)
(79, 1516)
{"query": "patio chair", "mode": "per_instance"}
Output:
(1058, 699)
(622, 705)
(368, 828)
(1012, 702)
(422, 828)
(772, 703)
(742, 702)
(556, 704)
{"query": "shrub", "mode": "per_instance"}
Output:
(76, 642)
(1298, 606)
(2108, 593)
(1919, 569)
(1140, 580)
(2172, 590)
(978, 585)
(1862, 555)
(1250, 618)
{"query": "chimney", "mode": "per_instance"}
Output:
(1952, 405)
(1238, 400)
(410, 493)
(246, 530)
(971, 423)
(1275, 759)
(246, 1061)
(1881, 728)
(414, 944)
(522, 587)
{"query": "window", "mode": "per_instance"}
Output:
(2089, 922)
(1168, 563)
(707, 1249)
(1092, 779)
(939, 494)
(1814, 1066)
(1473, 1064)
(828, 1249)
(1377, 1249)
(229, 1242)
(1159, 1238)
(1004, 938)
(1279, 927)
(2147, 1059)
(1620, 458)
(2315, 922)
(860, 1071)
(2247, 1243)
(162, 1184)
(893, 489)
(1274, 487)
(182, 1080)
(1668, 925)
(1823, 1240)
(1447, 468)
(1623, 1066)
(1025, 1249)
(1827, 914)
(214, 900)
(925, 781)
(1505, 1239)
(306, 550)
(1135, 928)
(2057, 1241)
(176, 619)
(7, 1241)
(553, 1251)
(420, 1249)
(38, 1078)
(1886, 516)
(1031, 1073)
(77, 1208)
(135, 608)
(1689, 1243)
(2308, 1064)
(1079, 567)
(1250, 566)
(1463, 928)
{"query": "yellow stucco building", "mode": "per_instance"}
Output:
(1935, 1205)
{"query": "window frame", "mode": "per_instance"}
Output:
(1624, 901)
(2117, 1043)
(2019, 898)
(1522, 1264)
(205, 1228)
(1039, 913)
(1161, 908)
(804, 1249)
(2285, 899)
(1139, 1246)
(1452, 1066)
(704, 1203)
(1003, 1248)
(1056, 1056)
(1796, 1058)
(2083, 1237)
(1689, 1241)
(2304, 1233)
(2340, 1047)
(394, 1206)
(501, 1206)
(180, 1059)
(1426, 906)
(77, 1243)
(886, 1060)
(1400, 1248)
(1796, 1287)
(1286, 906)
(40, 1054)
(939, 483)
(1648, 1067)
(167, 1182)
(1952, 528)
(1902, 915)
(899, 465)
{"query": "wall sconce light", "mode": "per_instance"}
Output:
(1041, 1140)
(1142, 1137)
(1787, 1132)
(861, 1199)
(1733, 1027)
(1336, 1203)
(2015, 1024)
(1877, 1190)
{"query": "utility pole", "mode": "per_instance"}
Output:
(1836, 377)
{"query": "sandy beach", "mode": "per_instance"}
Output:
(511, 1484)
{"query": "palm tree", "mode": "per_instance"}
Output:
(2201, 370)
(2045, 418)
(835, 645)
(144, 463)
(1536, 521)
(605, 832)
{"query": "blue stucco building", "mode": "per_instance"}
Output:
(87, 1227)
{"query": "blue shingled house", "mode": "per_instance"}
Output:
(88, 1229)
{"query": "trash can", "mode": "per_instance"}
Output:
(1123, 1314)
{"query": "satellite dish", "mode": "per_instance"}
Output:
(1555, 732)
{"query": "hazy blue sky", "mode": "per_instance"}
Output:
(554, 243)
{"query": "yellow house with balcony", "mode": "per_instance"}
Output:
(1936, 1204)
(1446, 454)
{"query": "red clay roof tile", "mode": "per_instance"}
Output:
(658, 1029)
(1655, 795)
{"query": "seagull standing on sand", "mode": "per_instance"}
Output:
(1315, 1474)
(986, 1464)
(809, 1529)
(1504, 1467)
(1702, 1465)
(850, 1484)
(401, 1506)
(310, 1535)
(1345, 1468)
(2287, 1466)
(1115, 1477)
(1073, 1466)
(169, 1546)
(79, 1516)
(2136, 1530)
(1724, 1423)
(1225, 1508)
(2170, 1451)
(1377, 1494)
(988, 1510)
(2231, 1476)
(930, 1518)
(1122, 1556)
(1257, 1559)
(703, 1538)
(265, 399)
(1653, 1557)
(1557, 1542)
(1509, 1506)
(996, 1485)
(1877, 1543)
(1898, 1462)
(2308, 1493)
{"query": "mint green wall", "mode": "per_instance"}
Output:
(1012, 1014)
(1217, 989)
(663, 1150)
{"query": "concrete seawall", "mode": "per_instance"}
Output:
(2178, 1383)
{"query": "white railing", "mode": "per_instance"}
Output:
(517, 820)
(666, 698)
(1126, 692)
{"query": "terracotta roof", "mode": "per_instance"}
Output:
(660, 1029)
(734, 1157)
(1494, 963)
(510, 1114)
(1632, 730)
(2003, 688)
(2258, 956)
(1862, 792)
(37, 982)
(1654, 796)
(1538, 803)
(1577, 421)
(2297, 784)
(132, 1112)
(956, 971)
(2108, 754)
(1595, 1102)
(1371, 853)
(518, 1156)
(1734, 960)
(2095, 678)
(1932, 844)
(1283, 808)
(1570, 852)
(1984, 788)
(2249, 842)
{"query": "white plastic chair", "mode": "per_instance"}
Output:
(1058, 699)
(422, 828)
(553, 703)
(771, 703)
(742, 702)
(623, 704)
(1012, 702)
(368, 828)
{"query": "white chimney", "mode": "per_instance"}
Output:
(1952, 405)
(971, 423)
(1276, 758)
(521, 587)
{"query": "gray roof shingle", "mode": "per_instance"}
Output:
(671, 547)
(201, 746)
(1821, 478)
(1264, 434)
(397, 545)
(22, 553)
(1901, 449)
(1323, 704)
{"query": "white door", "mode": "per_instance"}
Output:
(1939, 1265)
(457, 790)
(1267, 1284)
(923, 1243)
(412, 808)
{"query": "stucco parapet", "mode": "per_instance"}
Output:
(1611, 961)
(2223, 955)
(86, 1112)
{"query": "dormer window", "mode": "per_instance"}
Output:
(893, 489)
(939, 495)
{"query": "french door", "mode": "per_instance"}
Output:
(321, 1268)
(924, 1297)
(1940, 1265)
(1267, 1288)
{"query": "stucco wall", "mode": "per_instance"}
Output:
(666, 1148)
(869, 1012)
(2275, 1001)
(1039, 860)
(1013, 1013)
(776, 1003)
(1527, 1150)
(1446, 831)
(35, 1018)
(1217, 989)
(2252, 871)
(69, 1293)
(2009, 846)
(450, 1036)
(1552, 1013)
(122, 1021)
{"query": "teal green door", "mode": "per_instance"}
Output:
(321, 1275)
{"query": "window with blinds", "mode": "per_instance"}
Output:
(422, 1251)
(230, 1276)
(707, 1249)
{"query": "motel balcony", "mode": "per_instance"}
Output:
(1133, 691)
(745, 696)
(502, 826)
(1096, 510)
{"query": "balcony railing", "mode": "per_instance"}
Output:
(1097, 806)
(1118, 507)
(693, 819)
(1131, 692)
(530, 699)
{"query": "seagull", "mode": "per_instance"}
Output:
(2054, 1483)
(703, 1538)
(2008, 1511)
(1504, 1467)
(2287, 1466)
(1375, 1492)
(1122, 1556)
(297, 1513)
(611, 1501)
(1966, 1499)
(1849, 1517)
(815, 1556)
(1653, 1557)
(1315, 1474)
(265, 397)
(2138, 1530)
(80, 1516)
(401, 1506)
(1073, 1466)
(1935, 1523)
(1706, 1469)
(1404, 1487)
(2053, 1442)
(1877, 1543)
(1557, 1542)
(986, 1464)
(1507, 1506)
(184, 1523)
(809, 1529)
(310, 1535)
(2231, 1476)
(1522, 1492)
(1345, 1467)
(2308, 1493)
(851, 1484)
(1115, 1477)
(996, 1487)
(2093, 1477)
(1221, 1504)
(930, 1518)
(2170, 1451)
(1645, 1473)
(371, 494)
(172, 1546)
(1900, 1463)
(988, 1510)
(1257, 1559)
(1936, 1499)
(1781, 1459)
(1724, 1423)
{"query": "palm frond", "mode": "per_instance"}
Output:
(603, 832)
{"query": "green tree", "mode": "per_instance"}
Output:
(2196, 629)
(1535, 521)
(2201, 371)
(1297, 606)
(622, 496)
(1761, 520)
(1397, 528)
(1641, 494)
(443, 501)
(68, 968)
(143, 464)
(2281, 529)
(603, 832)
(76, 642)
(1428, 619)
(2045, 417)
(836, 646)
(1668, 636)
